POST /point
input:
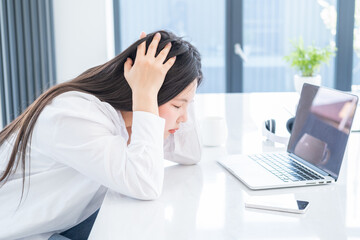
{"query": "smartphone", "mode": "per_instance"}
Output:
(281, 202)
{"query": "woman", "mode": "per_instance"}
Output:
(103, 130)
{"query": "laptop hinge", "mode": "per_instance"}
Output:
(311, 166)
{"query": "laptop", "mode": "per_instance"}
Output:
(316, 147)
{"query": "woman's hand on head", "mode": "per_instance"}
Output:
(146, 76)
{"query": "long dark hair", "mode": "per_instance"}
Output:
(106, 82)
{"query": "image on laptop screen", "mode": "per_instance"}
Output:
(322, 127)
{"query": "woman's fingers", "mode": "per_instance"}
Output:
(142, 47)
(163, 54)
(152, 49)
(153, 45)
(127, 66)
(142, 35)
(148, 71)
(169, 63)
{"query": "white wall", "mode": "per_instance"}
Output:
(83, 35)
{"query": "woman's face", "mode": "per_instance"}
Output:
(175, 111)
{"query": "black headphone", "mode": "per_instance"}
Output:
(269, 129)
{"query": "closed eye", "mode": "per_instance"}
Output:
(176, 106)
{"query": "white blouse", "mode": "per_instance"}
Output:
(78, 150)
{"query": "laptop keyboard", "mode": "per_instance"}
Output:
(284, 167)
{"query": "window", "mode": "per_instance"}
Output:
(270, 26)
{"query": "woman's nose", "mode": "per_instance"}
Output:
(183, 118)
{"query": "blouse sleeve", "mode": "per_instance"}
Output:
(184, 146)
(84, 135)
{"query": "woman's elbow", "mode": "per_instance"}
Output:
(147, 193)
(190, 160)
(141, 187)
(140, 194)
(153, 195)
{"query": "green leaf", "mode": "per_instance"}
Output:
(308, 60)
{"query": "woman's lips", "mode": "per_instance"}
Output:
(172, 131)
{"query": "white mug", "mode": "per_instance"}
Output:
(214, 131)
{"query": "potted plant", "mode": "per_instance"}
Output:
(308, 61)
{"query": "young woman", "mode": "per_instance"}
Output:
(109, 128)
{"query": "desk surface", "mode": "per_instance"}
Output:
(205, 201)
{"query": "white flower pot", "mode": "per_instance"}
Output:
(299, 81)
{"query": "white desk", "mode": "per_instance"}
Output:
(205, 201)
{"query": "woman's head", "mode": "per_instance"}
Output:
(108, 83)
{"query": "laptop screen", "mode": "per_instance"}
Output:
(322, 127)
